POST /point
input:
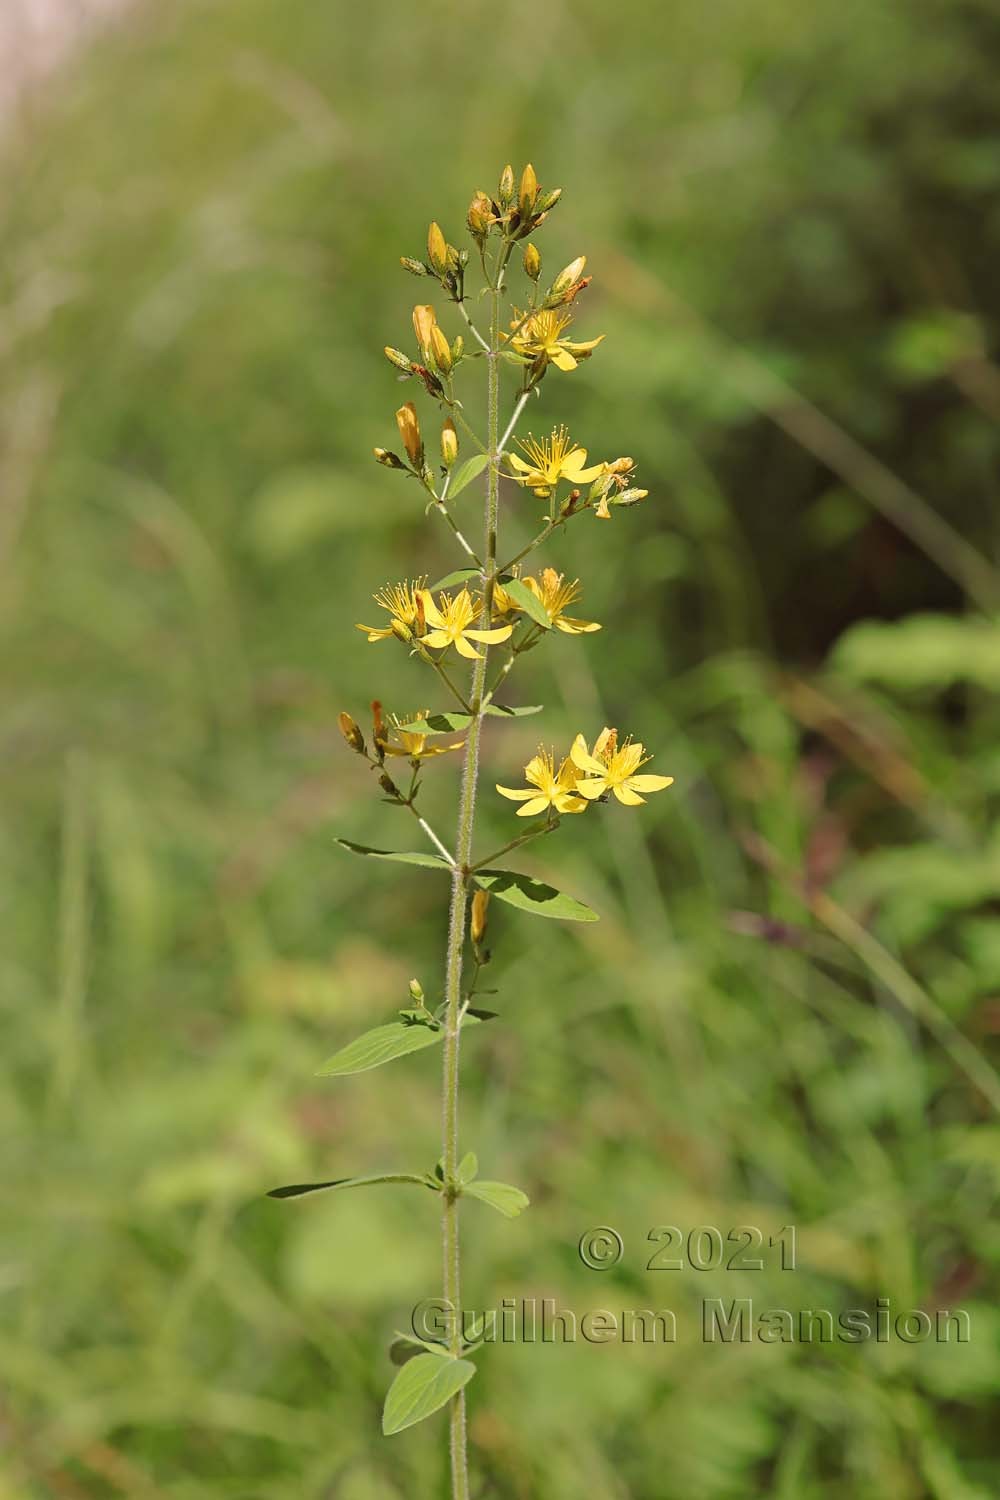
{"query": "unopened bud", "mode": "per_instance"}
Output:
(527, 192)
(441, 350)
(415, 267)
(389, 787)
(506, 189)
(416, 990)
(401, 631)
(480, 216)
(352, 734)
(567, 276)
(423, 322)
(449, 444)
(623, 465)
(477, 924)
(532, 262)
(409, 431)
(398, 358)
(390, 460)
(453, 261)
(548, 200)
(437, 249)
(457, 349)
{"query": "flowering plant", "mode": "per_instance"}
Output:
(484, 607)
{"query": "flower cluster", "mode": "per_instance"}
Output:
(585, 776)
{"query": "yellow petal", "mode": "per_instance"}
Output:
(624, 794)
(569, 626)
(436, 638)
(464, 649)
(650, 783)
(573, 462)
(581, 756)
(500, 633)
(586, 475)
(373, 632)
(432, 614)
(591, 789)
(519, 463)
(530, 809)
(562, 359)
(568, 802)
(520, 794)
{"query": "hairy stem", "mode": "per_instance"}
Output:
(456, 921)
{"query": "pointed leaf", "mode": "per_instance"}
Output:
(460, 575)
(422, 1387)
(438, 724)
(526, 600)
(501, 712)
(466, 473)
(507, 1200)
(383, 1044)
(533, 896)
(299, 1189)
(433, 861)
(468, 1167)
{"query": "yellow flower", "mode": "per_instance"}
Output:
(552, 459)
(402, 600)
(555, 596)
(412, 744)
(409, 430)
(548, 787)
(450, 624)
(612, 768)
(541, 339)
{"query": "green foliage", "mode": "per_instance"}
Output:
(424, 1384)
(534, 896)
(382, 1045)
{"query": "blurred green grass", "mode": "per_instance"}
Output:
(787, 212)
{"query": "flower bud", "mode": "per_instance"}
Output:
(548, 200)
(390, 460)
(506, 189)
(415, 267)
(416, 991)
(453, 261)
(423, 322)
(400, 631)
(449, 443)
(532, 262)
(437, 249)
(480, 216)
(409, 431)
(398, 358)
(389, 787)
(457, 349)
(477, 924)
(352, 734)
(441, 350)
(567, 277)
(527, 193)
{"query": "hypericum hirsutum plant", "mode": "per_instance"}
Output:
(489, 613)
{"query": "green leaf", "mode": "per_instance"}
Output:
(298, 1189)
(432, 861)
(500, 711)
(461, 575)
(526, 600)
(438, 724)
(507, 1200)
(405, 1347)
(422, 1387)
(466, 473)
(468, 1167)
(383, 1044)
(533, 896)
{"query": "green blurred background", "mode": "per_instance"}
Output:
(793, 220)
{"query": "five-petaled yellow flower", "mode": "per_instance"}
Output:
(554, 597)
(450, 625)
(402, 600)
(412, 744)
(612, 768)
(551, 459)
(548, 787)
(541, 339)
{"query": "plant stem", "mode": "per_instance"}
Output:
(456, 920)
